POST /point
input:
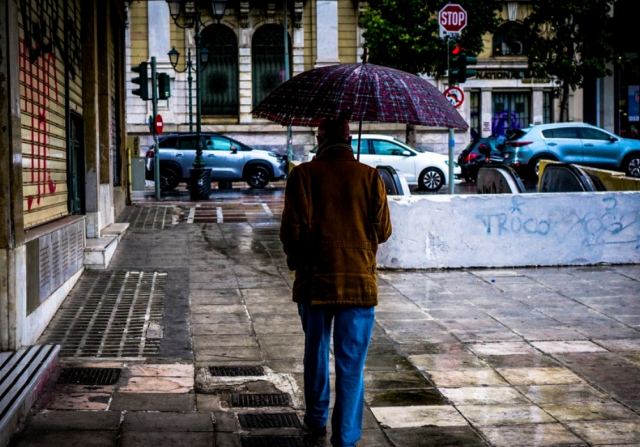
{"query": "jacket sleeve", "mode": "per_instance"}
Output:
(295, 220)
(381, 218)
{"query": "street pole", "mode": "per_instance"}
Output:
(286, 78)
(154, 102)
(452, 140)
(189, 80)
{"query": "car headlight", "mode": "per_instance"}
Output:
(446, 162)
(272, 154)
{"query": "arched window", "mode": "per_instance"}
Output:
(220, 74)
(267, 51)
(510, 40)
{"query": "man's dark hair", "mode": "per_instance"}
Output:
(334, 131)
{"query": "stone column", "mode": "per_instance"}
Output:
(486, 113)
(245, 75)
(327, 33)
(13, 297)
(159, 31)
(537, 107)
(90, 94)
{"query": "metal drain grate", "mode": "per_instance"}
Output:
(260, 400)
(268, 420)
(236, 370)
(271, 441)
(107, 315)
(89, 376)
(150, 217)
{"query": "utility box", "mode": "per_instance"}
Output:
(137, 174)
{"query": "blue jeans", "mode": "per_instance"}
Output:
(352, 329)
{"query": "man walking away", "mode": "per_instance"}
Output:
(334, 217)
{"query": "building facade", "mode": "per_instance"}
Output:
(247, 59)
(62, 160)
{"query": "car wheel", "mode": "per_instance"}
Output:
(257, 176)
(169, 178)
(632, 165)
(431, 179)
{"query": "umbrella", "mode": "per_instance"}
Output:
(363, 92)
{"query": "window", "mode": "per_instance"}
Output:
(220, 73)
(168, 142)
(562, 132)
(510, 111)
(364, 146)
(547, 107)
(594, 134)
(382, 147)
(187, 142)
(267, 52)
(474, 121)
(510, 40)
(217, 144)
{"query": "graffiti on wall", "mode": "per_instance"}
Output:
(41, 48)
(596, 226)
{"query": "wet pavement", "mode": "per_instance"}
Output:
(508, 357)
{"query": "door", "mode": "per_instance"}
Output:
(184, 153)
(389, 153)
(223, 157)
(599, 148)
(565, 143)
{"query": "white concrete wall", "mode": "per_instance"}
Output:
(499, 230)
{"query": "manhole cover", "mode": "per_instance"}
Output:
(89, 376)
(268, 420)
(236, 370)
(271, 441)
(260, 400)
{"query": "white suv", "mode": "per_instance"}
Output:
(427, 170)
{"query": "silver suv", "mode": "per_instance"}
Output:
(228, 159)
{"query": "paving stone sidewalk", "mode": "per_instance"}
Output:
(500, 357)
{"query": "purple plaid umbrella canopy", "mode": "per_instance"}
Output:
(358, 92)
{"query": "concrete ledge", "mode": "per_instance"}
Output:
(99, 251)
(505, 230)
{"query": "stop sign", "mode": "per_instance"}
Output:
(452, 18)
(158, 124)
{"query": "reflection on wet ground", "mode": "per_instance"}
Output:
(501, 357)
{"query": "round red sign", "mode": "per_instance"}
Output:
(158, 124)
(453, 18)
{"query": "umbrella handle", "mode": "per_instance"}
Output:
(365, 55)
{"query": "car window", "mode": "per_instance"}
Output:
(562, 132)
(382, 147)
(168, 142)
(217, 143)
(364, 146)
(514, 134)
(187, 142)
(594, 134)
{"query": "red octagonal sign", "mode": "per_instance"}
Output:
(452, 18)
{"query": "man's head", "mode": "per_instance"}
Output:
(333, 131)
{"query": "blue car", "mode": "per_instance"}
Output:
(577, 143)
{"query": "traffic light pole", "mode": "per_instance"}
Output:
(452, 140)
(154, 103)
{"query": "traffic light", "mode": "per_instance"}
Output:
(164, 86)
(142, 80)
(458, 63)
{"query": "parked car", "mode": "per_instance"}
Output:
(427, 170)
(474, 156)
(578, 143)
(228, 159)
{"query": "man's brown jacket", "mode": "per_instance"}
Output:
(334, 217)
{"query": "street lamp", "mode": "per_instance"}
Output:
(174, 56)
(188, 14)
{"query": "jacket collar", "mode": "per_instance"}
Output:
(338, 151)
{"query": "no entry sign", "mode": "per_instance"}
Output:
(452, 19)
